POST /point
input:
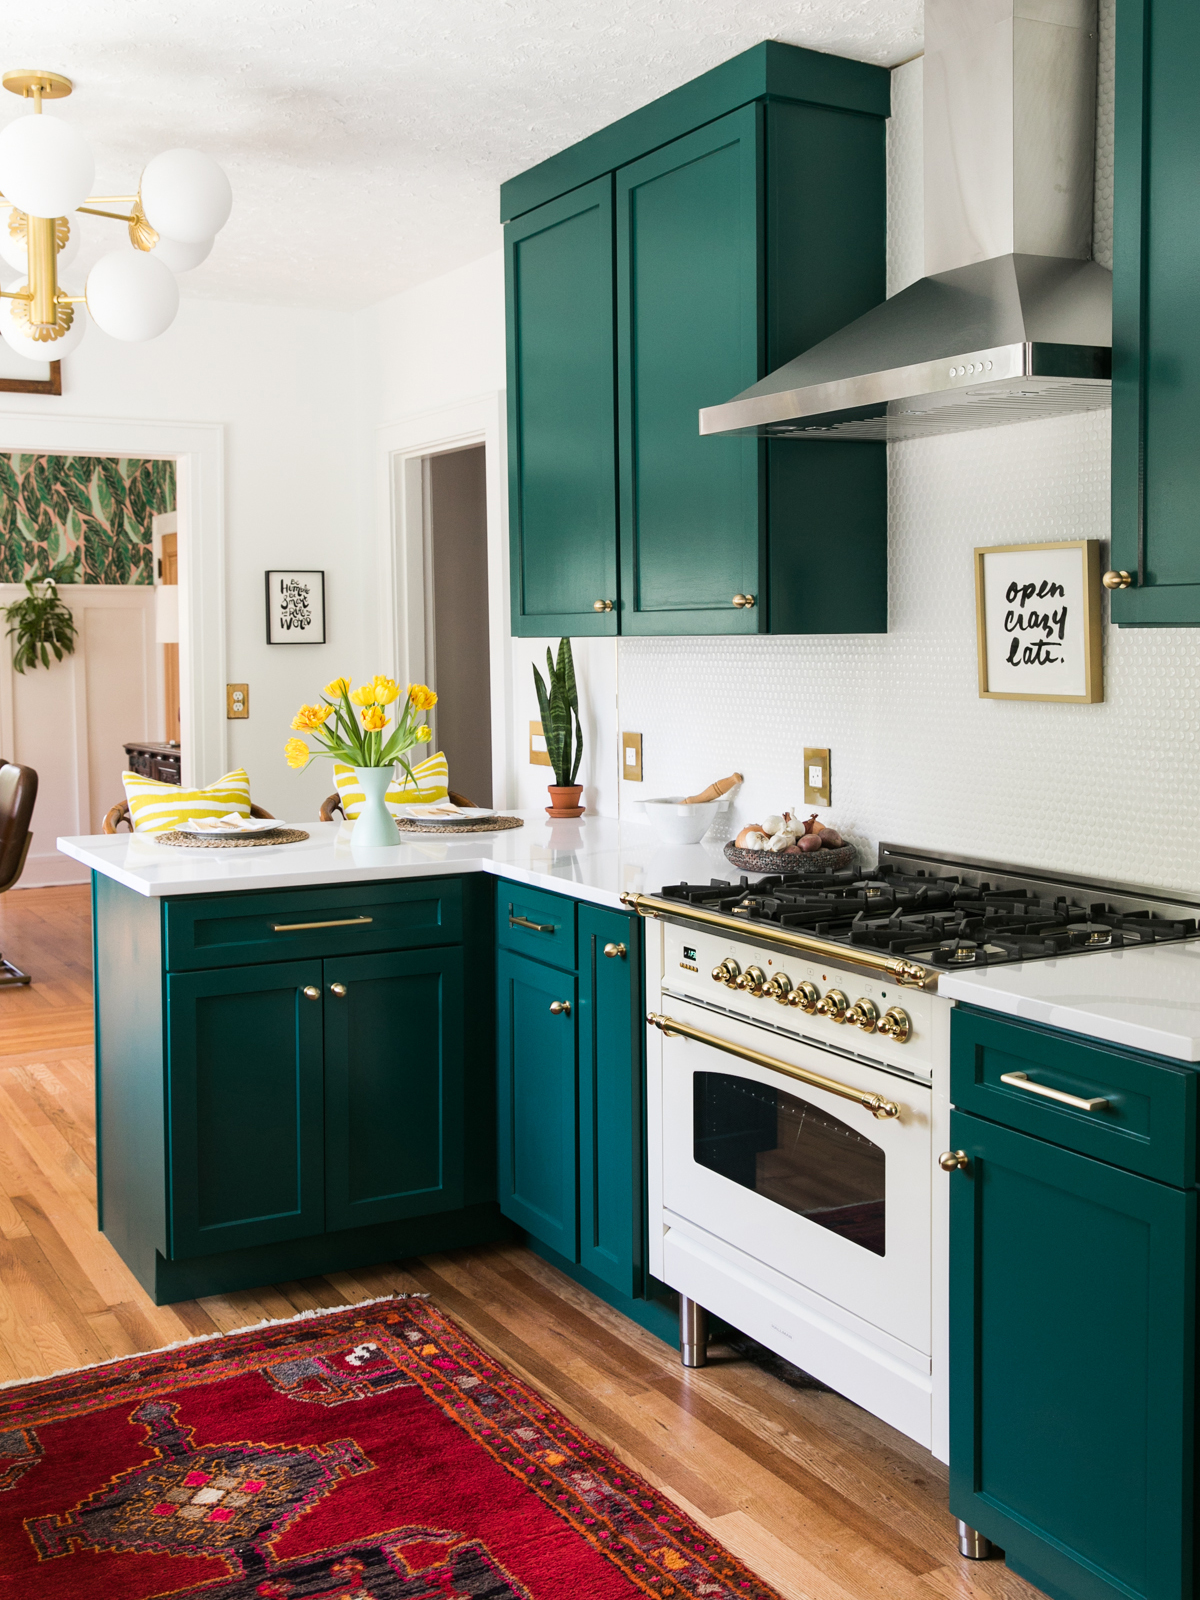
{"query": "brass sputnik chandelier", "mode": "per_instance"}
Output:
(46, 173)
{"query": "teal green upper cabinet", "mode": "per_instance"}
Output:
(561, 449)
(1156, 331)
(745, 219)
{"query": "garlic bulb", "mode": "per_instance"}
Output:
(772, 825)
(755, 841)
(781, 840)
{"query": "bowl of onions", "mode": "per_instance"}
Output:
(786, 844)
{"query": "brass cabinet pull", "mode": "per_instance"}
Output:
(602, 605)
(1020, 1080)
(954, 1161)
(311, 992)
(1117, 580)
(340, 922)
(560, 1008)
(338, 989)
(875, 1104)
(744, 602)
(523, 922)
(615, 950)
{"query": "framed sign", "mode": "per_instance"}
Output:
(1037, 618)
(295, 608)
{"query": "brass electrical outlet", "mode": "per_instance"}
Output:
(539, 756)
(237, 701)
(631, 757)
(816, 778)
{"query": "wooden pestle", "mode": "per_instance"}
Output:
(715, 790)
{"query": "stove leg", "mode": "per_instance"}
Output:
(972, 1544)
(693, 1333)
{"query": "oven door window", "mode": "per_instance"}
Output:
(793, 1154)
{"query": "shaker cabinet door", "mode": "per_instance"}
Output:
(394, 1112)
(561, 420)
(245, 1107)
(689, 301)
(537, 1102)
(1072, 1360)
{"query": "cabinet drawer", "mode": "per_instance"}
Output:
(1147, 1123)
(229, 929)
(536, 924)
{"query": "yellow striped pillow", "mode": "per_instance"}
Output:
(157, 807)
(432, 782)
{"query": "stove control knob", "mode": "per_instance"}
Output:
(896, 1025)
(806, 996)
(863, 1014)
(834, 1006)
(726, 972)
(753, 980)
(779, 987)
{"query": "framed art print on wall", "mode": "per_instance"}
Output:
(295, 608)
(1037, 619)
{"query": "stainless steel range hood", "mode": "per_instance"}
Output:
(1013, 320)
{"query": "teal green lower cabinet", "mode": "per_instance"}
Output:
(393, 1086)
(536, 1105)
(245, 1107)
(1072, 1344)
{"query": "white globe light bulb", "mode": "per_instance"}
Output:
(46, 166)
(185, 196)
(18, 335)
(132, 296)
(178, 256)
(14, 248)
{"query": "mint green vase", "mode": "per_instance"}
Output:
(374, 825)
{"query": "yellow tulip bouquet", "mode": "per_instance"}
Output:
(335, 727)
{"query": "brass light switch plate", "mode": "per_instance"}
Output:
(538, 754)
(816, 778)
(237, 701)
(631, 757)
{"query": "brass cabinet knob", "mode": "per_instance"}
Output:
(560, 1008)
(863, 1014)
(753, 980)
(1117, 580)
(726, 972)
(338, 989)
(834, 1006)
(954, 1161)
(744, 602)
(615, 950)
(779, 987)
(602, 605)
(896, 1025)
(806, 996)
(311, 992)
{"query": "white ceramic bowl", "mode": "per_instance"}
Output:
(678, 823)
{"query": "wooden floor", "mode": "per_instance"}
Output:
(819, 1497)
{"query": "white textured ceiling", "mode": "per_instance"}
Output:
(366, 141)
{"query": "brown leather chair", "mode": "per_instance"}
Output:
(18, 791)
(120, 814)
(332, 805)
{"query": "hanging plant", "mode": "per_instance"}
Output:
(42, 623)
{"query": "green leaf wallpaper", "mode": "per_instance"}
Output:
(92, 511)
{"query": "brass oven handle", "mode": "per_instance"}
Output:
(909, 974)
(1020, 1080)
(340, 922)
(875, 1104)
(524, 922)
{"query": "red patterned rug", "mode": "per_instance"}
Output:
(371, 1454)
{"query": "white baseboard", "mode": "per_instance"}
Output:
(45, 870)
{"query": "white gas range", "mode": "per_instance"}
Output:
(798, 1081)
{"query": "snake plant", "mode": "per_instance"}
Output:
(559, 706)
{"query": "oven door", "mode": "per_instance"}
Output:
(802, 1178)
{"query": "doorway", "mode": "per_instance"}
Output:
(457, 633)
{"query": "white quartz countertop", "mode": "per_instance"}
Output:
(593, 858)
(1147, 999)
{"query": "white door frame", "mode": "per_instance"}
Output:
(198, 449)
(402, 447)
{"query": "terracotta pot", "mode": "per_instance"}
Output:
(564, 800)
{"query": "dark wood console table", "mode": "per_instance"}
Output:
(159, 761)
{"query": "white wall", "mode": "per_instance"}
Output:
(287, 386)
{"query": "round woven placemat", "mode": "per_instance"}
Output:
(236, 841)
(496, 825)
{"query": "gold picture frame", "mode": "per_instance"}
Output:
(1043, 605)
